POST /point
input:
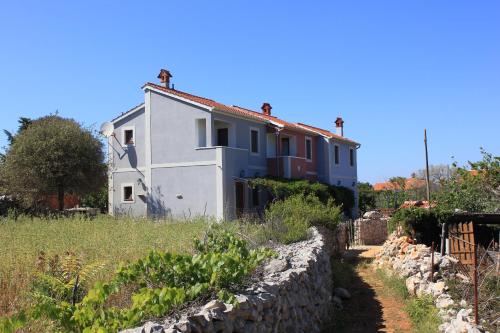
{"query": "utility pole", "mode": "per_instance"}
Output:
(427, 169)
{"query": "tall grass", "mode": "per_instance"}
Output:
(102, 239)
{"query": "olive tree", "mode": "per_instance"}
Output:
(52, 155)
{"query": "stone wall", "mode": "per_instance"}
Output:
(293, 295)
(413, 263)
(371, 229)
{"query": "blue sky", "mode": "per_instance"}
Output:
(389, 68)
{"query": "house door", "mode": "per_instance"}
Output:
(222, 137)
(285, 147)
(240, 198)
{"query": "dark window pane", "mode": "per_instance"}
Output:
(308, 149)
(255, 141)
(285, 147)
(129, 137)
(351, 156)
(337, 157)
(222, 137)
(127, 193)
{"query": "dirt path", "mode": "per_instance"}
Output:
(371, 307)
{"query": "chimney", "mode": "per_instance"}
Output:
(339, 126)
(164, 77)
(266, 109)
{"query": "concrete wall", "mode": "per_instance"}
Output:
(138, 206)
(129, 156)
(183, 192)
(294, 295)
(173, 131)
(240, 133)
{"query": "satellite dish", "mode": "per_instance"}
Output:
(107, 129)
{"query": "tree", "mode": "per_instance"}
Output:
(475, 188)
(366, 196)
(438, 173)
(53, 155)
(23, 124)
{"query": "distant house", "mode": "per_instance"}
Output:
(178, 154)
(410, 184)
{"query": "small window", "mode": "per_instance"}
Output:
(308, 149)
(201, 132)
(351, 157)
(285, 147)
(254, 141)
(128, 193)
(255, 197)
(337, 155)
(222, 137)
(129, 136)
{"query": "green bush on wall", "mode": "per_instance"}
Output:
(291, 218)
(419, 223)
(283, 188)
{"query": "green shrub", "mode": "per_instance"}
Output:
(281, 189)
(291, 218)
(419, 223)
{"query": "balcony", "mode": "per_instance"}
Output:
(290, 167)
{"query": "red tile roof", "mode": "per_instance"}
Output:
(248, 113)
(325, 132)
(410, 183)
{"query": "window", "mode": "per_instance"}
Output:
(337, 155)
(201, 132)
(128, 136)
(351, 157)
(222, 137)
(308, 149)
(285, 147)
(127, 193)
(255, 197)
(254, 141)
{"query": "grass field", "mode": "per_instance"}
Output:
(102, 239)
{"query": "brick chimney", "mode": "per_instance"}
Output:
(339, 126)
(164, 77)
(266, 109)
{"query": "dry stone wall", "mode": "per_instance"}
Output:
(371, 229)
(294, 295)
(413, 263)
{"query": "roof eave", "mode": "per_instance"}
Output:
(127, 113)
(174, 96)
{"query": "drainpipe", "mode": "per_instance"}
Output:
(277, 152)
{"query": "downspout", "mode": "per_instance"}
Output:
(277, 133)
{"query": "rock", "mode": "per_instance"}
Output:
(411, 285)
(444, 302)
(214, 304)
(342, 293)
(183, 326)
(150, 327)
(463, 314)
(438, 288)
(372, 215)
(276, 266)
